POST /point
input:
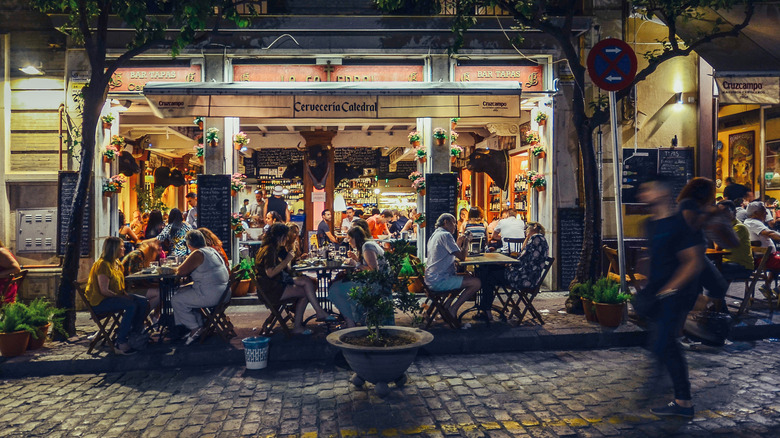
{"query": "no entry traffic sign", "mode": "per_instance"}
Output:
(612, 64)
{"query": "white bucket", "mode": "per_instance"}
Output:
(256, 352)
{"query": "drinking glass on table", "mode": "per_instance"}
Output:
(342, 252)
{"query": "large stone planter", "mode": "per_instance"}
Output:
(380, 365)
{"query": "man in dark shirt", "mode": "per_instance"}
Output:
(324, 236)
(398, 223)
(676, 260)
(277, 203)
(733, 190)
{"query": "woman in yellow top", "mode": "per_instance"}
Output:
(106, 292)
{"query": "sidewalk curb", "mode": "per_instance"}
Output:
(479, 340)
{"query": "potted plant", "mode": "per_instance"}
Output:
(109, 153)
(531, 137)
(108, 120)
(420, 221)
(585, 293)
(439, 136)
(378, 353)
(419, 185)
(538, 151)
(541, 118)
(454, 122)
(455, 152)
(198, 121)
(414, 138)
(240, 140)
(420, 155)
(610, 302)
(212, 137)
(537, 181)
(237, 183)
(113, 185)
(236, 225)
(43, 316)
(244, 275)
(15, 329)
(199, 151)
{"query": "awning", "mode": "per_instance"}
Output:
(335, 100)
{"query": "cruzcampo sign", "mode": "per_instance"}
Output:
(749, 90)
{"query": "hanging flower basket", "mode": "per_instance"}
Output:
(110, 152)
(539, 188)
(212, 136)
(198, 122)
(539, 151)
(454, 122)
(439, 136)
(537, 180)
(418, 184)
(420, 155)
(541, 119)
(455, 152)
(117, 140)
(237, 183)
(414, 138)
(240, 140)
(108, 120)
(531, 137)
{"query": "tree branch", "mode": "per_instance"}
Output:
(86, 33)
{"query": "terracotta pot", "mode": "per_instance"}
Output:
(533, 142)
(439, 141)
(213, 143)
(241, 288)
(14, 344)
(421, 192)
(423, 224)
(541, 155)
(119, 190)
(421, 159)
(590, 310)
(200, 125)
(540, 188)
(542, 122)
(233, 192)
(416, 143)
(108, 194)
(201, 159)
(107, 160)
(43, 331)
(453, 125)
(106, 125)
(237, 146)
(610, 315)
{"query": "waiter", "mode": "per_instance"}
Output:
(257, 210)
(278, 204)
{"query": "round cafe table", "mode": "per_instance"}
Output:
(323, 271)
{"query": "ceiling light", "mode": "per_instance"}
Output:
(31, 70)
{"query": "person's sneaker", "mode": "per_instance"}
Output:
(193, 336)
(673, 410)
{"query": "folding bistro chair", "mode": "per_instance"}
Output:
(514, 244)
(107, 322)
(634, 279)
(14, 279)
(215, 319)
(282, 311)
(758, 275)
(513, 298)
(436, 300)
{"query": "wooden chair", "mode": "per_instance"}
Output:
(758, 275)
(215, 318)
(107, 322)
(634, 279)
(436, 300)
(13, 279)
(282, 312)
(514, 244)
(513, 298)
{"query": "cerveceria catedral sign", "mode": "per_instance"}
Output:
(324, 107)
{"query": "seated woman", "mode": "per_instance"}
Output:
(214, 242)
(126, 233)
(209, 280)
(140, 259)
(366, 254)
(477, 227)
(275, 281)
(8, 266)
(532, 257)
(293, 241)
(271, 218)
(172, 236)
(106, 293)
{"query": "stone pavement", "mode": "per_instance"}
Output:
(530, 394)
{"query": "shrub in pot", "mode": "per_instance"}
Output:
(379, 353)
(585, 293)
(244, 274)
(43, 315)
(610, 302)
(15, 330)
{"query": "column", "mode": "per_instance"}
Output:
(5, 138)
(214, 67)
(438, 155)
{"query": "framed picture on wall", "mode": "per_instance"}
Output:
(742, 167)
(772, 167)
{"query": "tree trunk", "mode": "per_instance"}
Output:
(94, 99)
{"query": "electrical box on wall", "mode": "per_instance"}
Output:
(36, 231)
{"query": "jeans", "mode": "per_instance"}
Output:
(734, 271)
(712, 280)
(134, 306)
(664, 344)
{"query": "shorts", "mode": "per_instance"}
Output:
(447, 283)
(773, 263)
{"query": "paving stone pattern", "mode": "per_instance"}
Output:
(534, 394)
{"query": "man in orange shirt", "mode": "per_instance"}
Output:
(377, 223)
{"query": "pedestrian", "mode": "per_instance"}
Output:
(676, 260)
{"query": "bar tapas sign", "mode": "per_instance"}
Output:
(327, 73)
(133, 79)
(532, 77)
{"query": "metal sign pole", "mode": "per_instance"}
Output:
(617, 164)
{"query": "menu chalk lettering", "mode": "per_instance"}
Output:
(66, 191)
(639, 167)
(214, 207)
(440, 197)
(571, 228)
(676, 164)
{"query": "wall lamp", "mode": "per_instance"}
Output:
(31, 70)
(679, 98)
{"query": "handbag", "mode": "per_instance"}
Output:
(708, 327)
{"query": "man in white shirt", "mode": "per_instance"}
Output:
(511, 227)
(440, 272)
(192, 214)
(346, 222)
(257, 210)
(756, 212)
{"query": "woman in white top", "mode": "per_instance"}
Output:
(209, 280)
(366, 254)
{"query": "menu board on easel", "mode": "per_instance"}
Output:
(214, 207)
(571, 228)
(66, 191)
(441, 196)
(676, 164)
(250, 169)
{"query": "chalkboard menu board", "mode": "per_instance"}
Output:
(402, 168)
(250, 169)
(571, 227)
(639, 167)
(677, 164)
(214, 206)
(272, 158)
(440, 197)
(363, 157)
(66, 191)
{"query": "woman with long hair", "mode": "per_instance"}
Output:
(154, 225)
(172, 236)
(293, 241)
(276, 281)
(477, 227)
(214, 242)
(463, 218)
(106, 292)
(8, 266)
(209, 279)
(126, 233)
(140, 259)
(366, 254)
(271, 218)
(533, 255)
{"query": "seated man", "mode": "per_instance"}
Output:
(377, 223)
(738, 264)
(756, 213)
(511, 227)
(324, 235)
(346, 222)
(440, 269)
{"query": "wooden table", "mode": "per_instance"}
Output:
(167, 283)
(716, 255)
(486, 268)
(488, 258)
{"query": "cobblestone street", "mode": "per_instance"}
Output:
(539, 394)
